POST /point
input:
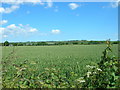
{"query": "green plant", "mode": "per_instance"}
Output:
(62, 72)
(26, 77)
(105, 74)
(6, 43)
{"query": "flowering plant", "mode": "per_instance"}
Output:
(105, 74)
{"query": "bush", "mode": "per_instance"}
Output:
(6, 43)
(105, 74)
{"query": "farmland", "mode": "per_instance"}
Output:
(67, 58)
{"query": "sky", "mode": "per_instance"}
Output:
(58, 21)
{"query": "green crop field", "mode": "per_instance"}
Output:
(61, 66)
(67, 57)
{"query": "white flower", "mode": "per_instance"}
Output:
(99, 69)
(81, 80)
(88, 66)
(91, 67)
(88, 74)
(94, 72)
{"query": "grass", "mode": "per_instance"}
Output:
(67, 57)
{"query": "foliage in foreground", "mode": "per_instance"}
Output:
(102, 75)
(105, 74)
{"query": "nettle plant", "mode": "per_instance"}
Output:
(104, 74)
(26, 77)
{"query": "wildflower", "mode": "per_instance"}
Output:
(87, 66)
(88, 74)
(81, 80)
(91, 67)
(94, 72)
(99, 69)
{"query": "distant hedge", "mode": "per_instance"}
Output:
(46, 43)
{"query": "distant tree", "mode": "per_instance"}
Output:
(34, 44)
(6, 43)
(41, 43)
(81, 43)
(28, 43)
(75, 43)
(66, 43)
(115, 42)
(44, 43)
(59, 43)
(20, 44)
(14, 44)
(84, 40)
(94, 42)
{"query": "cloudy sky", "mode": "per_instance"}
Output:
(46, 21)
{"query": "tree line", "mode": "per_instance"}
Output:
(73, 42)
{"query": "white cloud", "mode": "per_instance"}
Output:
(41, 3)
(17, 2)
(56, 31)
(20, 1)
(73, 6)
(1, 30)
(17, 30)
(33, 30)
(20, 25)
(8, 10)
(12, 26)
(3, 22)
(4, 36)
(50, 3)
(2, 9)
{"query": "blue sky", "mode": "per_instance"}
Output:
(59, 21)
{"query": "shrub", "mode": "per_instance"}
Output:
(105, 74)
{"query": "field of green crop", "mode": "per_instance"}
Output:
(64, 66)
(67, 57)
